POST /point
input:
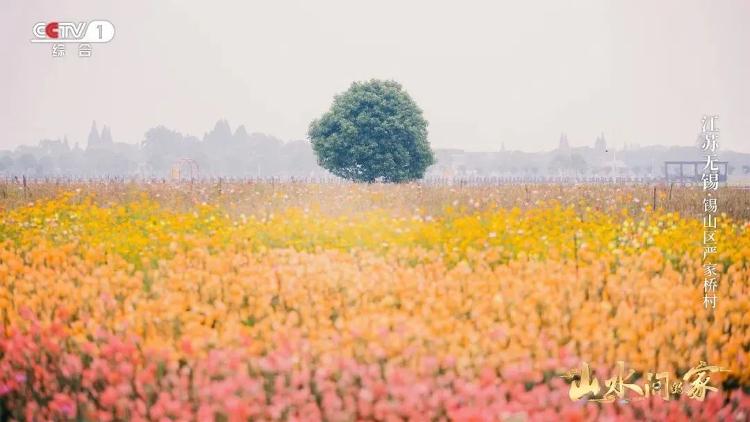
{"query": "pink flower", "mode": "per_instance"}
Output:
(108, 397)
(20, 377)
(4, 389)
(63, 404)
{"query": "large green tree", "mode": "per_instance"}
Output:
(373, 131)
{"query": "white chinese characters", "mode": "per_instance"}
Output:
(710, 179)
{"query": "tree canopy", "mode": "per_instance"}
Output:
(373, 132)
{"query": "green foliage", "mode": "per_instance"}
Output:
(373, 132)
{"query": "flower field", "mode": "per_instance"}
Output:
(244, 301)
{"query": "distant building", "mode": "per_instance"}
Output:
(564, 145)
(600, 144)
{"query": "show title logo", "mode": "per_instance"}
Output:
(695, 383)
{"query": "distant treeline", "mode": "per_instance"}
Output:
(223, 152)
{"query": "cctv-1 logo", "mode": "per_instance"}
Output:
(97, 31)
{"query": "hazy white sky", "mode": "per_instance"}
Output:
(483, 72)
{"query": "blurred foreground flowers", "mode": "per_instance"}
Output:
(133, 310)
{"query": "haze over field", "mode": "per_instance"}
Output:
(333, 210)
(485, 73)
